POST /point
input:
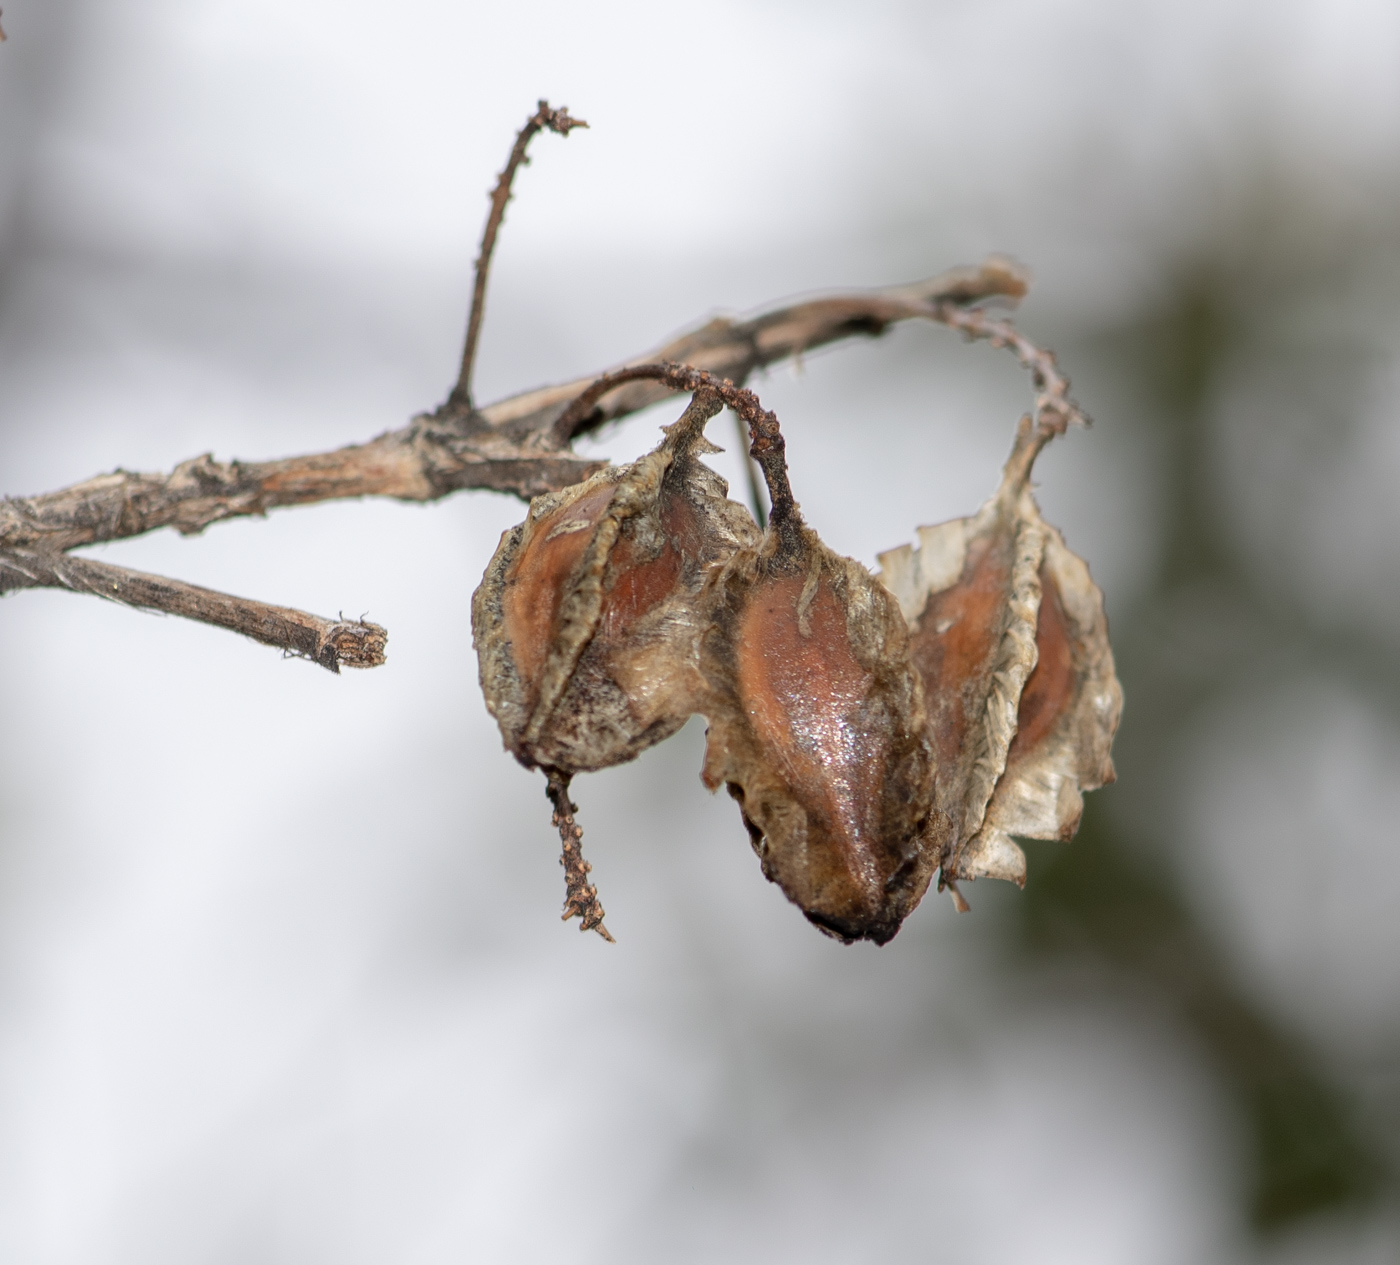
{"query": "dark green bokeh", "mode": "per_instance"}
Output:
(1207, 621)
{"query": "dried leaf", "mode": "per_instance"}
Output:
(1009, 634)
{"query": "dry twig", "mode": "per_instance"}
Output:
(511, 446)
(333, 643)
(1054, 410)
(557, 121)
(519, 445)
(580, 896)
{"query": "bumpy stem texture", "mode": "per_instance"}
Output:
(557, 121)
(580, 896)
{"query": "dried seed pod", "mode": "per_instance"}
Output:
(588, 620)
(585, 622)
(1009, 634)
(817, 721)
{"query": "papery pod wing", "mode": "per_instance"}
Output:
(1069, 711)
(1009, 635)
(817, 728)
(585, 622)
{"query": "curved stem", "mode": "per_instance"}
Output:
(1054, 410)
(766, 444)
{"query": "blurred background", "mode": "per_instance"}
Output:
(281, 975)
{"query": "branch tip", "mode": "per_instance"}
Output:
(353, 644)
(561, 123)
(580, 896)
(333, 643)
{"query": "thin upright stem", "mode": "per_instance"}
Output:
(544, 117)
(760, 511)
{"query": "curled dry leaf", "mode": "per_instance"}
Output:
(1008, 632)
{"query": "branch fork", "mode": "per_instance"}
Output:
(519, 445)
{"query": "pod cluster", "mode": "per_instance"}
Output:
(875, 731)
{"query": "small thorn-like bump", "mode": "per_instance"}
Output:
(580, 896)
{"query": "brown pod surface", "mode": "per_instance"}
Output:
(585, 623)
(1009, 635)
(817, 729)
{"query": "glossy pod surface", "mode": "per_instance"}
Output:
(817, 729)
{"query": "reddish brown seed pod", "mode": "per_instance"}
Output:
(1009, 635)
(815, 709)
(817, 722)
(586, 624)
(626, 603)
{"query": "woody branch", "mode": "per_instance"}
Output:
(510, 446)
(519, 445)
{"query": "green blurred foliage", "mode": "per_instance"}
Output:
(1208, 618)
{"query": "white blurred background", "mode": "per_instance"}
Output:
(281, 976)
